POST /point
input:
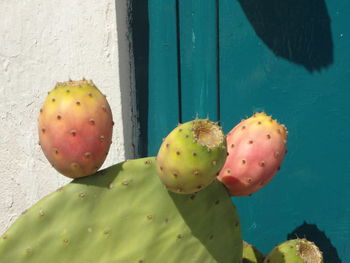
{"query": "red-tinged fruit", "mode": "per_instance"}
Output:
(75, 128)
(256, 148)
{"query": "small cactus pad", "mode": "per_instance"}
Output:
(251, 254)
(124, 214)
(191, 156)
(256, 148)
(75, 128)
(295, 251)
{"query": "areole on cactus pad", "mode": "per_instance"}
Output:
(75, 128)
(256, 148)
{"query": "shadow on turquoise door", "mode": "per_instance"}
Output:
(227, 59)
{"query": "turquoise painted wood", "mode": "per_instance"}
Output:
(163, 96)
(198, 59)
(288, 58)
(307, 88)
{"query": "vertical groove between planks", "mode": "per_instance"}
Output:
(178, 41)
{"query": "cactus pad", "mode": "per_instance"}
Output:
(124, 214)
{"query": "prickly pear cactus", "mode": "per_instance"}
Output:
(125, 215)
(251, 254)
(256, 148)
(191, 156)
(295, 251)
(75, 128)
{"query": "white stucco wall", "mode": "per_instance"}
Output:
(42, 42)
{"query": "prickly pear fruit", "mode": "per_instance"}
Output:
(251, 254)
(256, 148)
(191, 156)
(295, 251)
(75, 128)
(124, 214)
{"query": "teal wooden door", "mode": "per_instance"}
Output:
(228, 58)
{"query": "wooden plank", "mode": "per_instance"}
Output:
(198, 57)
(163, 97)
(277, 56)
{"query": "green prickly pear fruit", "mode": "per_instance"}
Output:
(256, 148)
(295, 251)
(75, 128)
(125, 214)
(251, 254)
(191, 156)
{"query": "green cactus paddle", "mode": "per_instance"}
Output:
(124, 214)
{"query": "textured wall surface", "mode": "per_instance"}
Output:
(42, 42)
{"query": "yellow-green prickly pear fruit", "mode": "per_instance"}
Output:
(75, 128)
(251, 254)
(295, 251)
(191, 156)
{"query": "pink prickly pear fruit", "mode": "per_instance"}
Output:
(256, 149)
(75, 128)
